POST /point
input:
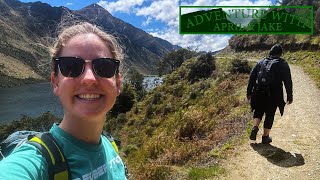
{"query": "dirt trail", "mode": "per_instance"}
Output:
(295, 150)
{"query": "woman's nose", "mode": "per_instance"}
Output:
(89, 77)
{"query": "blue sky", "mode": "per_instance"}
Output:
(160, 18)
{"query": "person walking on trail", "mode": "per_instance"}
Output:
(265, 91)
(86, 78)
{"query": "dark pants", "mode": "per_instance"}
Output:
(265, 105)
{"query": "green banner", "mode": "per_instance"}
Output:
(246, 19)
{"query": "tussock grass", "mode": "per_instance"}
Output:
(199, 173)
(181, 121)
(309, 61)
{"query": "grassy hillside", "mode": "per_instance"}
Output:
(21, 53)
(181, 128)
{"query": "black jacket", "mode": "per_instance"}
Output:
(280, 74)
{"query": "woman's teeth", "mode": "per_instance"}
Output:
(89, 96)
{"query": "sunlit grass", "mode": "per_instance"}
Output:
(199, 173)
(309, 61)
(179, 123)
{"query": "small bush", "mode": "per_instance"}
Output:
(198, 89)
(124, 101)
(155, 149)
(121, 118)
(149, 112)
(198, 173)
(240, 66)
(202, 68)
(193, 94)
(158, 172)
(156, 98)
(167, 109)
(149, 130)
(180, 154)
(192, 124)
(129, 149)
(178, 90)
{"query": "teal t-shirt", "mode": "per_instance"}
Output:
(86, 161)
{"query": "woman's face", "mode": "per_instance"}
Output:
(87, 97)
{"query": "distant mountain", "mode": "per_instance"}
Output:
(26, 30)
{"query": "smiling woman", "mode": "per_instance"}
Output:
(86, 78)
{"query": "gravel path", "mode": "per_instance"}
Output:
(295, 150)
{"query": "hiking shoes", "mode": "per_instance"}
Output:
(266, 139)
(254, 131)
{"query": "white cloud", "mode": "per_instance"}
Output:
(162, 10)
(69, 4)
(196, 42)
(200, 3)
(244, 3)
(167, 11)
(170, 15)
(126, 6)
(149, 19)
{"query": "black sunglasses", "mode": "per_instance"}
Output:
(74, 66)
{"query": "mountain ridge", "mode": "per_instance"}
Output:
(29, 29)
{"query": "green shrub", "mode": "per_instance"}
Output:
(124, 101)
(121, 118)
(198, 173)
(149, 130)
(202, 68)
(168, 108)
(129, 149)
(155, 149)
(156, 98)
(192, 124)
(178, 90)
(149, 112)
(240, 66)
(158, 172)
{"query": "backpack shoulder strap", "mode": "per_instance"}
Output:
(115, 144)
(57, 164)
(262, 62)
(112, 141)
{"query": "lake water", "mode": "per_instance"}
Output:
(31, 100)
(35, 99)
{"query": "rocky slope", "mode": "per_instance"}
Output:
(27, 29)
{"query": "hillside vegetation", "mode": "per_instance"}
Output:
(20, 55)
(182, 127)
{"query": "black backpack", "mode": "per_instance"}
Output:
(264, 76)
